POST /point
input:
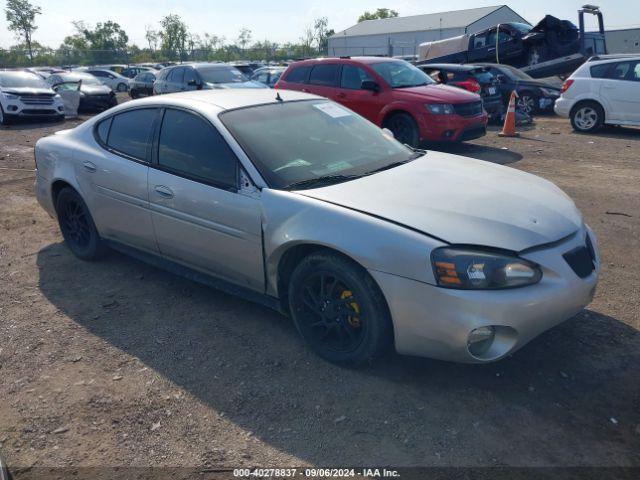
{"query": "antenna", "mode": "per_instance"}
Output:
(278, 97)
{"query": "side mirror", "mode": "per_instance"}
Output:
(370, 85)
(388, 133)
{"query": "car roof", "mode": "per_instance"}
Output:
(364, 59)
(224, 99)
(452, 66)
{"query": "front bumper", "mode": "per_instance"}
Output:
(452, 128)
(435, 322)
(97, 102)
(563, 107)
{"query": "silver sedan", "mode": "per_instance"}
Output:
(297, 202)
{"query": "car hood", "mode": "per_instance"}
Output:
(462, 201)
(439, 94)
(28, 90)
(536, 83)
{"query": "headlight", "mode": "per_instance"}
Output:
(11, 96)
(550, 93)
(440, 108)
(467, 269)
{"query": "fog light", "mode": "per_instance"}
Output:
(480, 340)
(61, 108)
(12, 108)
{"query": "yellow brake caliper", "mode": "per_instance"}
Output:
(354, 320)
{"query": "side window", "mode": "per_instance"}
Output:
(480, 41)
(130, 132)
(190, 76)
(103, 130)
(619, 71)
(176, 75)
(298, 75)
(352, 77)
(263, 77)
(600, 71)
(192, 147)
(635, 76)
(324, 74)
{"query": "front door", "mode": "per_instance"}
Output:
(200, 217)
(353, 96)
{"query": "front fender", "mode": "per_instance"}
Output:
(292, 219)
(397, 106)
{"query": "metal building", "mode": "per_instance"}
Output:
(623, 41)
(402, 35)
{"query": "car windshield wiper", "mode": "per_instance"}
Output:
(417, 154)
(321, 181)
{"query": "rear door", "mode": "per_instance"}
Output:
(113, 177)
(620, 93)
(201, 218)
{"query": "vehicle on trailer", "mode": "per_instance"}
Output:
(605, 90)
(111, 79)
(534, 95)
(473, 78)
(392, 94)
(142, 85)
(297, 202)
(94, 95)
(551, 47)
(268, 76)
(201, 76)
(26, 95)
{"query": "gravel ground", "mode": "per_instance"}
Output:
(116, 363)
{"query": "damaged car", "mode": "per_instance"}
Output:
(299, 203)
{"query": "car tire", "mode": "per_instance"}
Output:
(121, 87)
(133, 93)
(4, 119)
(339, 310)
(404, 128)
(587, 117)
(77, 226)
(527, 103)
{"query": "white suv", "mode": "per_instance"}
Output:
(606, 89)
(113, 80)
(26, 95)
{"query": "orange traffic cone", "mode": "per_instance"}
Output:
(509, 129)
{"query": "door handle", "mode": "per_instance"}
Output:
(89, 166)
(163, 191)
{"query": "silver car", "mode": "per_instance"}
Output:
(299, 203)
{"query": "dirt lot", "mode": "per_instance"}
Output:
(117, 363)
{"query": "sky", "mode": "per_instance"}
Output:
(276, 20)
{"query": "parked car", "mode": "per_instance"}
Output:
(444, 256)
(534, 96)
(393, 94)
(605, 90)
(142, 85)
(94, 95)
(132, 72)
(245, 67)
(269, 76)
(470, 77)
(26, 95)
(201, 76)
(113, 80)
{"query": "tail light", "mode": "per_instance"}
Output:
(470, 84)
(566, 85)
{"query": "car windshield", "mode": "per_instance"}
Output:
(401, 74)
(222, 74)
(521, 27)
(311, 143)
(87, 79)
(483, 75)
(21, 79)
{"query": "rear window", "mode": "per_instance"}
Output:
(298, 75)
(130, 132)
(600, 71)
(324, 75)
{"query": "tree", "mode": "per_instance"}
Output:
(322, 34)
(21, 16)
(152, 36)
(103, 43)
(174, 37)
(306, 40)
(379, 13)
(244, 38)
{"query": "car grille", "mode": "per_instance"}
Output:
(582, 259)
(37, 99)
(468, 109)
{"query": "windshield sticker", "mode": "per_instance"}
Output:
(333, 110)
(298, 162)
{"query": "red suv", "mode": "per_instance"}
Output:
(394, 94)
